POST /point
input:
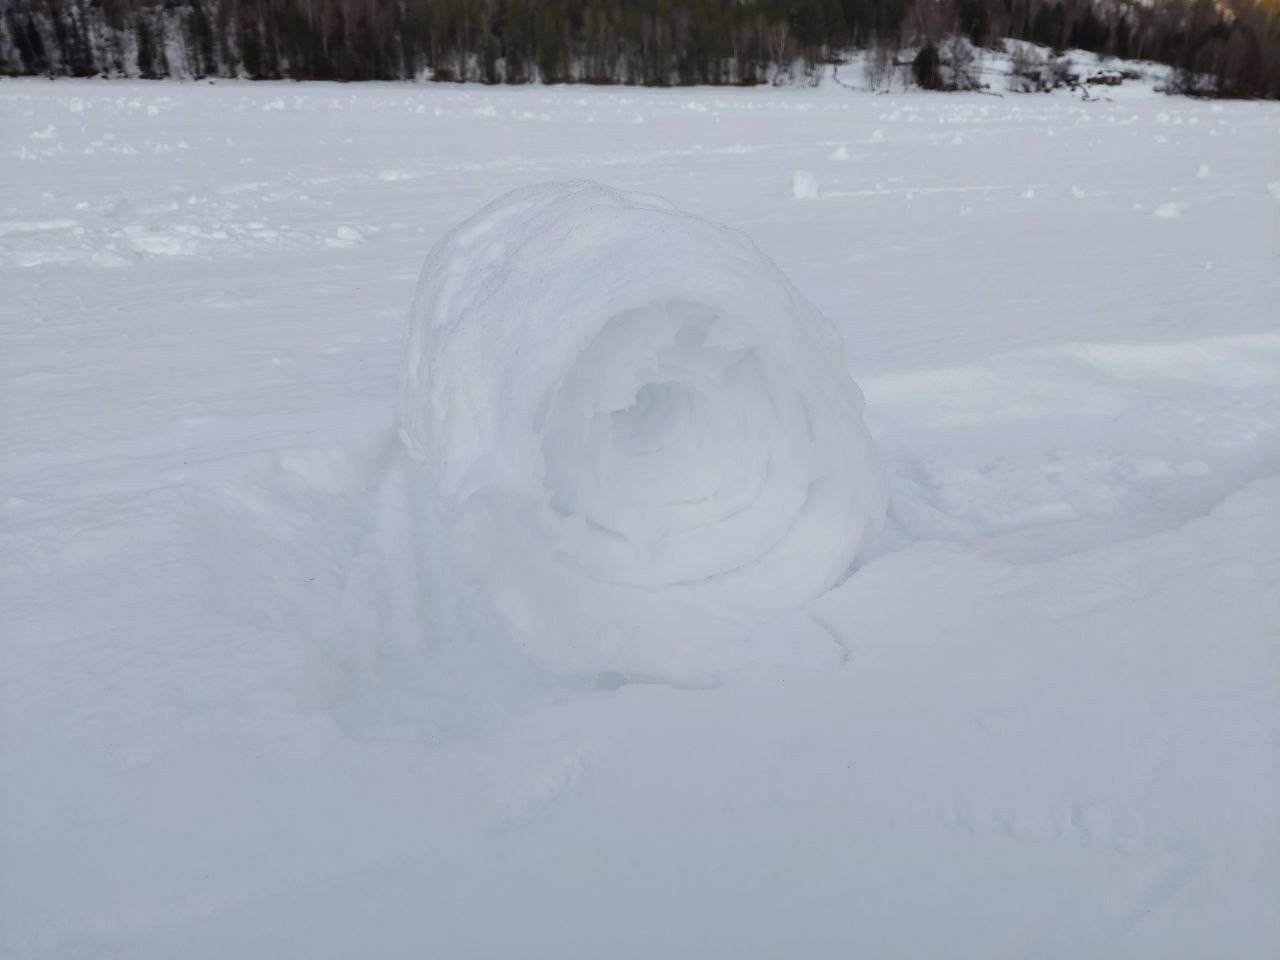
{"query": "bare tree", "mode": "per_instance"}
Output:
(876, 66)
(960, 65)
(926, 21)
(781, 47)
(1026, 70)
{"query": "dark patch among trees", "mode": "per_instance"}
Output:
(1229, 48)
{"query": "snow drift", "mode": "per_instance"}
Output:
(640, 441)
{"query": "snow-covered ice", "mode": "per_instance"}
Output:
(254, 704)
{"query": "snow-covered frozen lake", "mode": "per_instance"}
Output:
(1041, 720)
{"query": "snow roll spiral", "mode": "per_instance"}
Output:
(643, 441)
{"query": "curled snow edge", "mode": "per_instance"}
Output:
(640, 441)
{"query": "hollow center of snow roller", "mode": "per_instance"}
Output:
(664, 426)
(657, 413)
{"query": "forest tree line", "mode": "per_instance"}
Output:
(1218, 47)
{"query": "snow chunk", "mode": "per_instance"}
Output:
(344, 236)
(804, 185)
(639, 440)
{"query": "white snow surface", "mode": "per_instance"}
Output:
(640, 440)
(256, 701)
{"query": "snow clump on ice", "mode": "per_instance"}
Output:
(804, 185)
(640, 440)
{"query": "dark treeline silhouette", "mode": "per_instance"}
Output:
(1218, 47)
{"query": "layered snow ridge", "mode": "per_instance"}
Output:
(641, 440)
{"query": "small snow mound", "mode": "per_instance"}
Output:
(344, 236)
(1274, 189)
(804, 185)
(640, 441)
(1168, 211)
(108, 257)
(1202, 171)
(840, 153)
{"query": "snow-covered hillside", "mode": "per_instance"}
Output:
(1039, 720)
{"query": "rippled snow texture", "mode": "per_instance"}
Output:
(641, 440)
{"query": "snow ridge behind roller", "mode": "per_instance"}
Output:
(640, 440)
